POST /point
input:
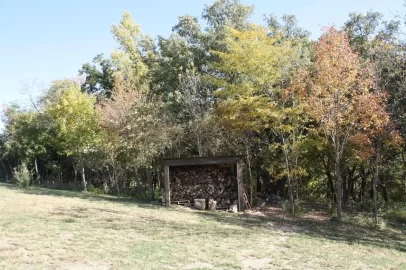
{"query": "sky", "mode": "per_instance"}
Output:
(46, 40)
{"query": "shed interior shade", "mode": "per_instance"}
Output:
(167, 163)
(201, 161)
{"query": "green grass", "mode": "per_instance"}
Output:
(52, 229)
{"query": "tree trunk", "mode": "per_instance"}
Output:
(330, 183)
(333, 196)
(363, 176)
(259, 184)
(5, 170)
(349, 184)
(150, 184)
(199, 146)
(384, 192)
(345, 190)
(75, 170)
(337, 148)
(338, 183)
(159, 178)
(404, 172)
(11, 168)
(291, 197)
(116, 179)
(295, 180)
(249, 172)
(376, 178)
(352, 188)
(83, 174)
(137, 181)
(374, 182)
(290, 185)
(38, 178)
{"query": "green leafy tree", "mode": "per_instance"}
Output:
(26, 135)
(229, 13)
(74, 118)
(99, 76)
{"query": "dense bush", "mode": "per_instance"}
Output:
(22, 176)
(298, 207)
(397, 213)
(91, 188)
(59, 185)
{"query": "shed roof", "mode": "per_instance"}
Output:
(201, 160)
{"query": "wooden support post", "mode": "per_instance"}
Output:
(167, 186)
(240, 186)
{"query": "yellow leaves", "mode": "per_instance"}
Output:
(128, 58)
(245, 113)
(75, 118)
(250, 72)
(253, 56)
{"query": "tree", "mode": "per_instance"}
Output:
(74, 118)
(370, 30)
(135, 57)
(229, 13)
(27, 136)
(195, 97)
(376, 137)
(99, 76)
(287, 29)
(381, 43)
(136, 54)
(289, 127)
(114, 115)
(252, 73)
(335, 83)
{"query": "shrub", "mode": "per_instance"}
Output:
(72, 186)
(298, 207)
(398, 215)
(91, 188)
(22, 176)
(365, 220)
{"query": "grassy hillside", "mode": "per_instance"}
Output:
(47, 229)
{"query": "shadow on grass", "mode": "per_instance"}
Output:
(77, 194)
(343, 232)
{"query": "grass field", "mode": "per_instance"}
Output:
(49, 229)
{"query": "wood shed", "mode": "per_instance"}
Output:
(216, 178)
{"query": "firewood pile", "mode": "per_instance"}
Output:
(204, 182)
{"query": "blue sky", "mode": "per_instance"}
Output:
(44, 40)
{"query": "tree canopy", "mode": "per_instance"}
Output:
(314, 119)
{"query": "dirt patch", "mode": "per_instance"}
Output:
(6, 246)
(198, 265)
(90, 266)
(317, 216)
(66, 236)
(255, 263)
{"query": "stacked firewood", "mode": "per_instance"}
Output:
(204, 182)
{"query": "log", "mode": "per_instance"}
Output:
(200, 204)
(212, 205)
(234, 208)
(205, 181)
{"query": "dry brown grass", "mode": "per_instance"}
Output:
(46, 229)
